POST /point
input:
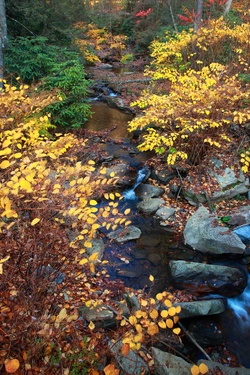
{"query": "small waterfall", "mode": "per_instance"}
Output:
(130, 194)
(241, 305)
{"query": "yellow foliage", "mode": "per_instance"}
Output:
(205, 94)
(146, 321)
(95, 39)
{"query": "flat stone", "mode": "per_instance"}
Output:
(169, 364)
(165, 212)
(213, 366)
(150, 206)
(97, 313)
(127, 234)
(208, 278)
(145, 191)
(200, 308)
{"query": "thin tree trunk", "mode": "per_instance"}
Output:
(199, 10)
(227, 6)
(172, 15)
(3, 39)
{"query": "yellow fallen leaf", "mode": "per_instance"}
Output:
(4, 164)
(83, 261)
(35, 221)
(91, 325)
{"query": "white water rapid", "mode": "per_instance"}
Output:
(241, 306)
(130, 194)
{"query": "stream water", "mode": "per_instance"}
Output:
(134, 261)
(106, 118)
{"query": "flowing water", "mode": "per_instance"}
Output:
(130, 194)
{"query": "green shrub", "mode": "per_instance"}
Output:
(33, 59)
(72, 108)
(30, 58)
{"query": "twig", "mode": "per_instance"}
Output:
(191, 338)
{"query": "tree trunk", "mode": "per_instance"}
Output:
(3, 38)
(172, 16)
(199, 10)
(227, 6)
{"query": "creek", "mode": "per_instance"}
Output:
(133, 261)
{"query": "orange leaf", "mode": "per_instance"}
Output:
(195, 370)
(152, 329)
(111, 370)
(11, 365)
(125, 349)
(177, 331)
(203, 368)
(169, 323)
(154, 314)
(172, 311)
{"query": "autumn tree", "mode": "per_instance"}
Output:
(191, 117)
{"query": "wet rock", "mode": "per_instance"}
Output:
(145, 191)
(127, 234)
(243, 232)
(203, 232)
(163, 176)
(97, 247)
(164, 213)
(119, 170)
(149, 241)
(155, 258)
(150, 206)
(204, 307)
(132, 363)
(208, 278)
(169, 364)
(139, 254)
(117, 102)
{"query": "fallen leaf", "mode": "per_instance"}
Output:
(11, 365)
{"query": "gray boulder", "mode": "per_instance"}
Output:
(126, 234)
(143, 191)
(203, 232)
(165, 212)
(169, 364)
(132, 363)
(241, 217)
(214, 366)
(202, 308)
(150, 206)
(208, 278)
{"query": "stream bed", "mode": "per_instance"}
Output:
(133, 261)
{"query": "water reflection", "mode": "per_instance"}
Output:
(105, 117)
